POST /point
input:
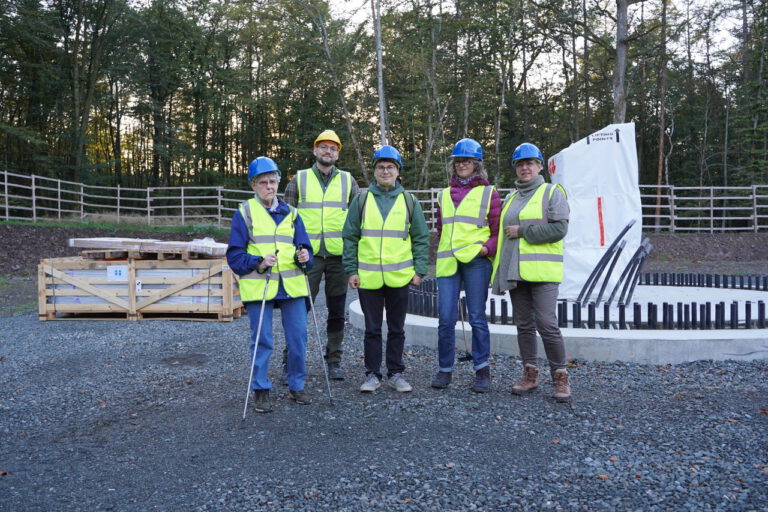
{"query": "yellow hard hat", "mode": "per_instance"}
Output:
(328, 135)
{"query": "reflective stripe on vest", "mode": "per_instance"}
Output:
(259, 222)
(538, 262)
(384, 254)
(324, 211)
(465, 228)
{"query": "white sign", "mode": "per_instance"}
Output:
(117, 273)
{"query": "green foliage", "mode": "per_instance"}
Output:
(172, 92)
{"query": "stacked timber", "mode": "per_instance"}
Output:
(135, 279)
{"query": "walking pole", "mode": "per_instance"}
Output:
(256, 343)
(303, 267)
(467, 352)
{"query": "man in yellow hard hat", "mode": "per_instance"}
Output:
(322, 195)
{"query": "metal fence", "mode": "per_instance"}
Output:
(31, 197)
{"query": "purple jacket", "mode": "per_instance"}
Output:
(458, 191)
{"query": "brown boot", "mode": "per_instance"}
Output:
(562, 385)
(528, 382)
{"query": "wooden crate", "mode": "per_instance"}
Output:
(83, 289)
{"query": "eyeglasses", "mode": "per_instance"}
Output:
(459, 161)
(386, 168)
(529, 162)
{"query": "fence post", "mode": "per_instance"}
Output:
(58, 199)
(182, 206)
(34, 200)
(672, 223)
(118, 203)
(219, 191)
(82, 201)
(149, 206)
(754, 208)
(711, 210)
(7, 199)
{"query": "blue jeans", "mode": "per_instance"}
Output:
(476, 276)
(294, 315)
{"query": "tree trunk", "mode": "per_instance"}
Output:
(620, 66)
(662, 94)
(383, 128)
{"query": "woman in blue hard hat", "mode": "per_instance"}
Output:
(386, 248)
(468, 229)
(268, 245)
(529, 265)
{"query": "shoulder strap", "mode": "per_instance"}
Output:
(409, 199)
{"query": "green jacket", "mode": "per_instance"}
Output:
(384, 200)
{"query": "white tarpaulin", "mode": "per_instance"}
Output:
(599, 174)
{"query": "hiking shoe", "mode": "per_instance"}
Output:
(334, 371)
(442, 379)
(371, 384)
(300, 397)
(482, 380)
(528, 382)
(261, 401)
(562, 385)
(399, 384)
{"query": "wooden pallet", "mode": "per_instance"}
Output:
(121, 254)
(132, 289)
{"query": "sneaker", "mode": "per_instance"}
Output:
(334, 371)
(562, 385)
(399, 384)
(300, 397)
(261, 401)
(482, 380)
(371, 384)
(441, 380)
(528, 382)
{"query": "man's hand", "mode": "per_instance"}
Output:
(268, 261)
(512, 231)
(354, 281)
(416, 280)
(302, 255)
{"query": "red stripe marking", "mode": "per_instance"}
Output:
(600, 220)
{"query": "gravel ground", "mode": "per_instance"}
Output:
(147, 416)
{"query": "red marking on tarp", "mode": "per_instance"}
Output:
(552, 167)
(600, 220)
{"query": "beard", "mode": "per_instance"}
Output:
(327, 161)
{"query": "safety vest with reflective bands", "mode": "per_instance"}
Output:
(384, 255)
(324, 211)
(538, 262)
(267, 237)
(465, 228)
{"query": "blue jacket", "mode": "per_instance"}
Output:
(243, 263)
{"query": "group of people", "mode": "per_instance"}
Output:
(377, 242)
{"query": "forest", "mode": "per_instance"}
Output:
(186, 92)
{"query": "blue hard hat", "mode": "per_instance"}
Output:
(467, 148)
(527, 150)
(388, 153)
(261, 165)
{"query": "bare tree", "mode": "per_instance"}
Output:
(383, 124)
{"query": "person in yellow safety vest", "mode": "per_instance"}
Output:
(529, 264)
(386, 248)
(268, 245)
(322, 195)
(468, 228)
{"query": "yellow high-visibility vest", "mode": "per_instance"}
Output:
(384, 253)
(465, 228)
(267, 237)
(538, 262)
(324, 211)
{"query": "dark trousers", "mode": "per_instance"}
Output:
(534, 308)
(373, 303)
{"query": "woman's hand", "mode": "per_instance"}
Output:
(483, 252)
(416, 280)
(302, 255)
(512, 231)
(354, 281)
